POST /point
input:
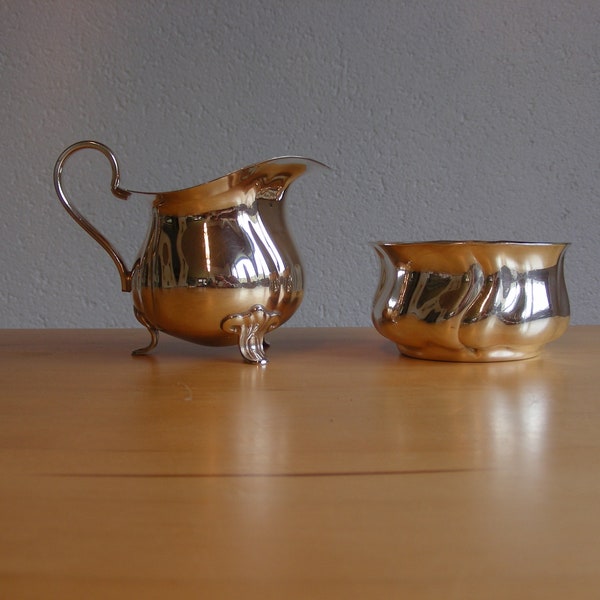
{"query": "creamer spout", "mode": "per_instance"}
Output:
(271, 178)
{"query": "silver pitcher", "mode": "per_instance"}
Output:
(218, 266)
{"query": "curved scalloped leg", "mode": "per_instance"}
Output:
(251, 327)
(151, 330)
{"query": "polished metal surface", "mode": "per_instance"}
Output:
(218, 266)
(472, 300)
(79, 218)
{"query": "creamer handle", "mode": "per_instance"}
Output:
(119, 192)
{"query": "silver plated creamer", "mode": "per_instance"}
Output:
(471, 300)
(218, 266)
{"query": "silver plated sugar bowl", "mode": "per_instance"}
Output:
(471, 301)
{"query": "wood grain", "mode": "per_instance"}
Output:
(339, 470)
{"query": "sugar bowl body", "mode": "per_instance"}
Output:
(471, 300)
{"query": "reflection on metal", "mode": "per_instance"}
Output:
(471, 301)
(251, 327)
(212, 252)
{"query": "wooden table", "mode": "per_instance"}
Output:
(339, 470)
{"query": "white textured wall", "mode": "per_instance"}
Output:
(440, 119)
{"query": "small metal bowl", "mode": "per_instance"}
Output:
(471, 301)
